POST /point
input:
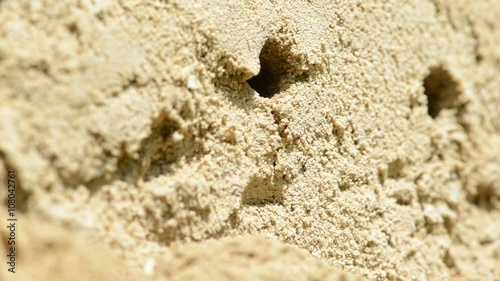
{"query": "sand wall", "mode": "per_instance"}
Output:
(364, 135)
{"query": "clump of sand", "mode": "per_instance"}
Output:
(365, 134)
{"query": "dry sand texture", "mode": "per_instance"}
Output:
(355, 136)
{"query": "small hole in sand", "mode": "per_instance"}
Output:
(262, 82)
(484, 197)
(261, 191)
(442, 91)
(275, 68)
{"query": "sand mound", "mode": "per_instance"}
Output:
(366, 135)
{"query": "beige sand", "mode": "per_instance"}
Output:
(358, 137)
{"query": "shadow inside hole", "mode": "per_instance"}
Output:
(484, 197)
(275, 68)
(442, 91)
(262, 83)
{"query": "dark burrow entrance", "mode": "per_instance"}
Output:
(277, 64)
(442, 91)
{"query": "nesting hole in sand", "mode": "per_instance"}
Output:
(442, 91)
(485, 197)
(260, 191)
(277, 64)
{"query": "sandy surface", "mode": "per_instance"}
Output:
(252, 140)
